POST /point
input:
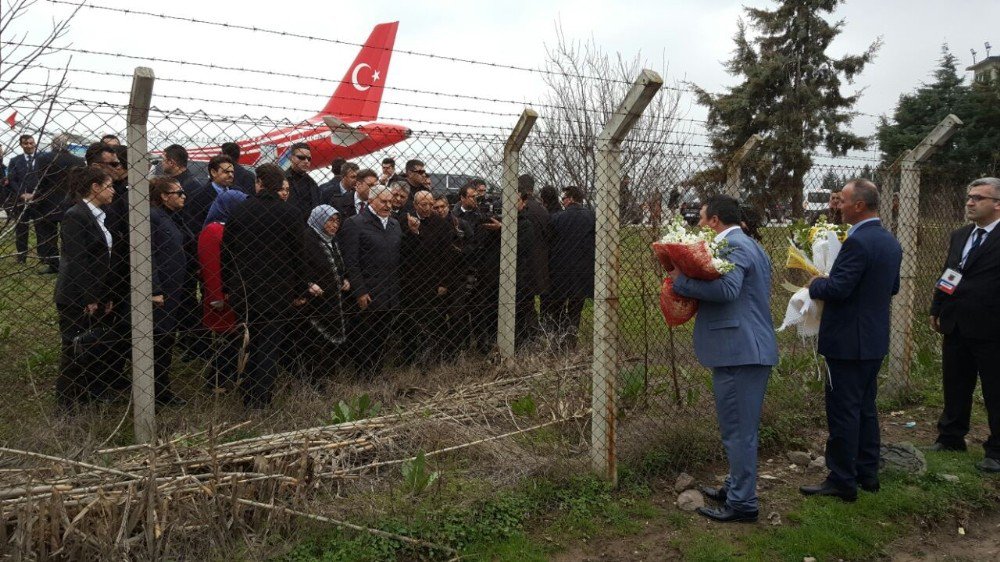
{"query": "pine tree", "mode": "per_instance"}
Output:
(790, 93)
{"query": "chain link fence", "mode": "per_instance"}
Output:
(268, 326)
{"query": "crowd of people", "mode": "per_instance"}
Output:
(264, 273)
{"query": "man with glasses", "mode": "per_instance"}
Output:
(222, 177)
(966, 309)
(304, 192)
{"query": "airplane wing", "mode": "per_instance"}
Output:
(343, 134)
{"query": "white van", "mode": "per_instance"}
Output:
(815, 202)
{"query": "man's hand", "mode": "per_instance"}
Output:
(299, 302)
(315, 290)
(813, 278)
(442, 291)
(91, 309)
(108, 307)
(346, 286)
(936, 324)
(413, 223)
(27, 197)
(364, 301)
(158, 300)
(494, 224)
(217, 305)
(673, 273)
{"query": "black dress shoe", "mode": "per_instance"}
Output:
(827, 488)
(872, 486)
(989, 465)
(942, 447)
(726, 514)
(718, 494)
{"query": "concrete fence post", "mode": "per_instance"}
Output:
(143, 396)
(605, 360)
(907, 224)
(508, 233)
(735, 167)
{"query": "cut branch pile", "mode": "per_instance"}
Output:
(147, 498)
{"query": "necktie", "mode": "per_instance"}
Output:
(31, 162)
(361, 207)
(977, 239)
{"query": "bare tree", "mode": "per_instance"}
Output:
(586, 85)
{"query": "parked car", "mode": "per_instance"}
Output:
(815, 202)
(691, 207)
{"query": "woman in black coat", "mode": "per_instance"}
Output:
(83, 288)
(170, 264)
(323, 315)
(264, 275)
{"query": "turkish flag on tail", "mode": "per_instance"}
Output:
(11, 120)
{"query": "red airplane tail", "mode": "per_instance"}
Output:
(360, 92)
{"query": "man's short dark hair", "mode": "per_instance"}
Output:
(348, 167)
(122, 152)
(336, 165)
(270, 176)
(412, 165)
(231, 149)
(177, 154)
(389, 160)
(464, 192)
(526, 184)
(725, 207)
(299, 146)
(573, 192)
(23, 138)
(217, 161)
(867, 191)
(475, 182)
(95, 150)
(367, 173)
(109, 136)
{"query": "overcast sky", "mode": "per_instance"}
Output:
(689, 39)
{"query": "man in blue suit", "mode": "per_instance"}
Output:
(854, 338)
(734, 336)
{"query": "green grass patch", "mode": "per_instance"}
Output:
(829, 529)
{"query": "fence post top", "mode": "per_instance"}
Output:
(521, 130)
(646, 85)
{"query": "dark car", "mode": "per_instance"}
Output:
(691, 208)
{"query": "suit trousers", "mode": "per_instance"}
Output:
(739, 396)
(852, 448)
(963, 361)
(267, 335)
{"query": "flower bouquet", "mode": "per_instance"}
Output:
(812, 249)
(698, 256)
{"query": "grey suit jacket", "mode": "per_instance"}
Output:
(734, 324)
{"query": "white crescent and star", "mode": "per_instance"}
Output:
(354, 76)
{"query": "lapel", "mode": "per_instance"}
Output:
(985, 246)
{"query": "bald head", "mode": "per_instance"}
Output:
(423, 203)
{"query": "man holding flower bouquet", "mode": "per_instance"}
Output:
(734, 336)
(854, 338)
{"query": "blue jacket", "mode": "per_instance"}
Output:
(864, 277)
(734, 324)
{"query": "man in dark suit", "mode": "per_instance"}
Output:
(342, 183)
(50, 198)
(536, 213)
(23, 180)
(329, 189)
(854, 338)
(371, 242)
(733, 336)
(243, 179)
(355, 199)
(482, 264)
(222, 175)
(174, 164)
(966, 309)
(571, 263)
(303, 190)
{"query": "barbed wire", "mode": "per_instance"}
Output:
(129, 11)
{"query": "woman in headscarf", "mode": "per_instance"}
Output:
(324, 315)
(217, 313)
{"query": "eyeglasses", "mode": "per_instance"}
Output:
(977, 198)
(420, 172)
(302, 157)
(180, 192)
(112, 164)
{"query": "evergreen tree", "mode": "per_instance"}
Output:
(973, 152)
(790, 93)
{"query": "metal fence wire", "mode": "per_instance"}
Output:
(265, 325)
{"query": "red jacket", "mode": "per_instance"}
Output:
(210, 259)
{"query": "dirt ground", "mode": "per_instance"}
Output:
(778, 484)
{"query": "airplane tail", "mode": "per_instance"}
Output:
(360, 92)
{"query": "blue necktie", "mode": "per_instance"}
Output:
(977, 239)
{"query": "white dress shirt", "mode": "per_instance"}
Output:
(100, 216)
(972, 236)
